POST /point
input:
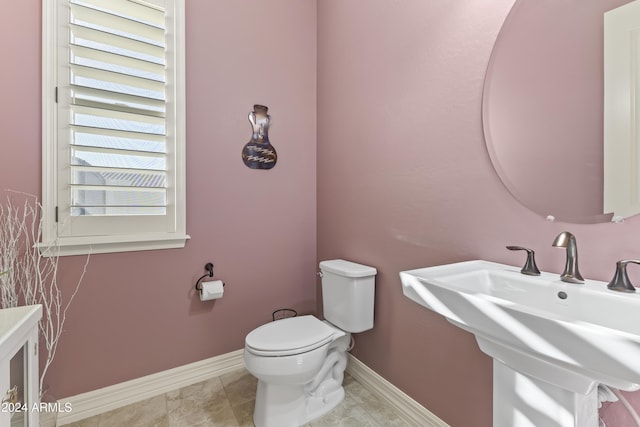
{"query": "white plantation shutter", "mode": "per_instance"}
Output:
(117, 109)
(120, 122)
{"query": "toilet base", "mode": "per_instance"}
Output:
(287, 406)
(279, 405)
(319, 406)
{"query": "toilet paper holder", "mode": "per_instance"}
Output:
(209, 268)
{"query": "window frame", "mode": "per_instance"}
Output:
(173, 234)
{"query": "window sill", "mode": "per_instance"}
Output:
(66, 246)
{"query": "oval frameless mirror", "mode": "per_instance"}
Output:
(543, 107)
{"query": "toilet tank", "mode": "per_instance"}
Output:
(348, 291)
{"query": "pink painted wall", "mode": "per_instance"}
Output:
(405, 181)
(137, 313)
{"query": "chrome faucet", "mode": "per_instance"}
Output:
(570, 273)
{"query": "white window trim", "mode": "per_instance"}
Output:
(105, 243)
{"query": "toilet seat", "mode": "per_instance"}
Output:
(294, 335)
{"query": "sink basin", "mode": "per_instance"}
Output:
(573, 336)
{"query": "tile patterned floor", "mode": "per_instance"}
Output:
(227, 401)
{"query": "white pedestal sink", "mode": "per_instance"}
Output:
(552, 342)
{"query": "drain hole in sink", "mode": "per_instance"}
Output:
(562, 295)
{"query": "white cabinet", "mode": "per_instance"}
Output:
(19, 385)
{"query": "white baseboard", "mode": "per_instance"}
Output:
(411, 411)
(105, 399)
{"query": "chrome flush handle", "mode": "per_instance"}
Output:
(620, 281)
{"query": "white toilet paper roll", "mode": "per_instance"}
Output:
(212, 290)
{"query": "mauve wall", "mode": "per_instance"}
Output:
(405, 181)
(136, 313)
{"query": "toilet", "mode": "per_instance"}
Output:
(300, 361)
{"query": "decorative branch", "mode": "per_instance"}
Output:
(31, 271)
(13, 223)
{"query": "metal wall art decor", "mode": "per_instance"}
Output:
(259, 153)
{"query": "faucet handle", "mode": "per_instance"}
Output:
(620, 281)
(530, 268)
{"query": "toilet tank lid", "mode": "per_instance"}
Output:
(347, 268)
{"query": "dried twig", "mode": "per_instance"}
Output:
(30, 272)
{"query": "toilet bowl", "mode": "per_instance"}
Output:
(294, 366)
(300, 361)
